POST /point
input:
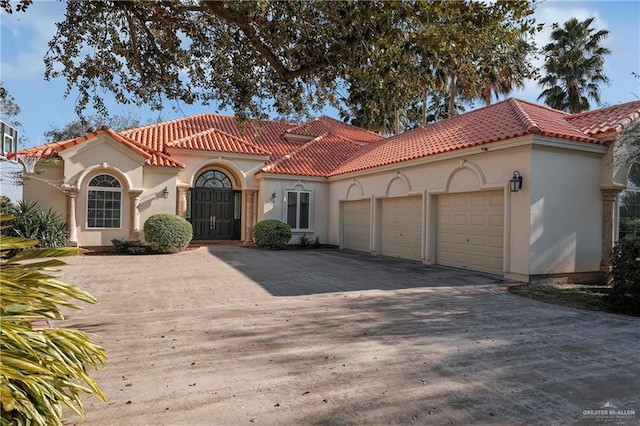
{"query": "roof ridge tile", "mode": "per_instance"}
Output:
(525, 119)
(289, 155)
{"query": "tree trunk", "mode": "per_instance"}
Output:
(487, 94)
(452, 97)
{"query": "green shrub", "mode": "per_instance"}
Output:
(167, 233)
(121, 245)
(41, 368)
(625, 271)
(6, 206)
(138, 250)
(271, 234)
(33, 223)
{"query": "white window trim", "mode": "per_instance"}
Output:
(630, 188)
(106, 189)
(286, 209)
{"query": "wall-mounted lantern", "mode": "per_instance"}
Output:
(165, 192)
(515, 183)
(274, 196)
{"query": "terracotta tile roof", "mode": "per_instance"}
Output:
(318, 157)
(605, 120)
(263, 134)
(217, 141)
(327, 147)
(504, 120)
(153, 158)
(324, 124)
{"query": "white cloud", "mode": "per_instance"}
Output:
(25, 38)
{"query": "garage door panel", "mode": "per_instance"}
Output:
(496, 219)
(495, 242)
(401, 226)
(470, 231)
(496, 200)
(477, 219)
(460, 219)
(357, 225)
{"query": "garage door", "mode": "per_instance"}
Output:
(356, 234)
(401, 227)
(470, 231)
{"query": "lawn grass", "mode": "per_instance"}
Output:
(588, 297)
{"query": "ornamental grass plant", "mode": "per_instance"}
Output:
(41, 368)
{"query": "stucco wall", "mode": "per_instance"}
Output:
(42, 188)
(106, 154)
(566, 211)
(152, 200)
(270, 209)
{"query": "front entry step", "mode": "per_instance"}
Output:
(203, 243)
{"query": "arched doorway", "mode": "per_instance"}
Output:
(215, 210)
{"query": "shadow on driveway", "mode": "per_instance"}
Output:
(315, 271)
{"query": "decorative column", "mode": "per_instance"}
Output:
(134, 232)
(182, 201)
(72, 194)
(609, 197)
(249, 216)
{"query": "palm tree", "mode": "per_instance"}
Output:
(574, 62)
(502, 74)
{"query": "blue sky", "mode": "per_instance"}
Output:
(24, 38)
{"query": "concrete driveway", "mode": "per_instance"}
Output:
(227, 335)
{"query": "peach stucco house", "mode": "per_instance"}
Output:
(440, 194)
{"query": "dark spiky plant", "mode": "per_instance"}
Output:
(41, 368)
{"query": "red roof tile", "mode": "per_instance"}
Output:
(264, 134)
(318, 157)
(605, 120)
(153, 158)
(504, 120)
(324, 124)
(328, 147)
(217, 141)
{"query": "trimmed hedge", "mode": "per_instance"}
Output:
(167, 233)
(271, 234)
(625, 271)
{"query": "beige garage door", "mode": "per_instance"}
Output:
(356, 234)
(401, 227)
(470, 231)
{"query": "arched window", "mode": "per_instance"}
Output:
(213, 179)
(629, 207)
(104, 202)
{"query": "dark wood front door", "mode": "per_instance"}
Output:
(214, 215)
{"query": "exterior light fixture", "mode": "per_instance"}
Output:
(274, 196)
(165, 192)
(515, 183)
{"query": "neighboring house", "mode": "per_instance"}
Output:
(439, 194)
(10, 169)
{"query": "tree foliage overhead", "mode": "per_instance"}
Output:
(285, 57)
(9, 109)
(574, 66)
(84, 125)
